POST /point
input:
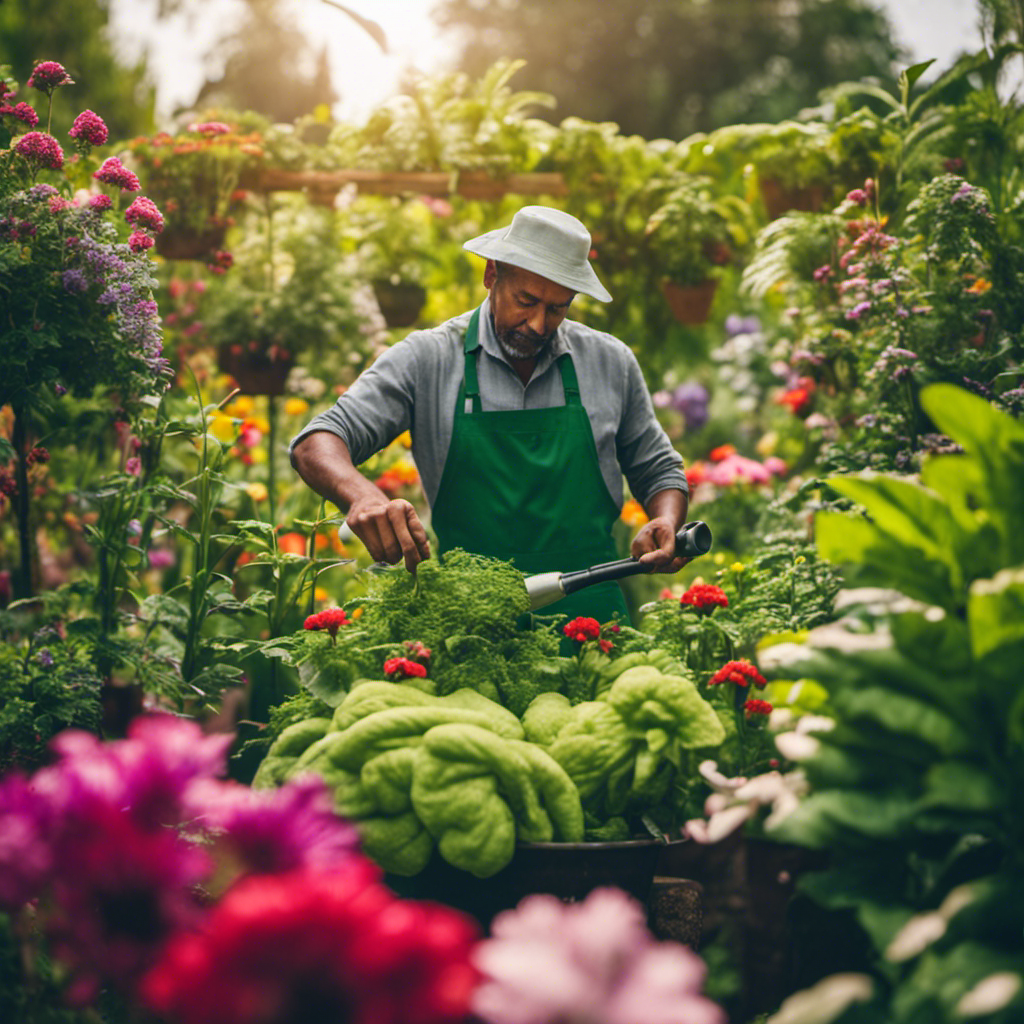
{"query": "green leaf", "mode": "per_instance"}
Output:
(995, 612)
(908, 78)
(323, 683)
(962, 786)
(906, 715)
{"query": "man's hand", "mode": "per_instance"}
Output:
(391, 530)
(655, 546)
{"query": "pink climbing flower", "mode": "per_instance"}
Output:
(113, 172)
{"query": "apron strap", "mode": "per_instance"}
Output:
(469, 393)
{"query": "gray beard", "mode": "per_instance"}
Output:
(519, 346)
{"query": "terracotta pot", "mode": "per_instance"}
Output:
(255, 372)
(189, 244)
(566, 870)
(779, 199)
(399, 303)
(690, 304)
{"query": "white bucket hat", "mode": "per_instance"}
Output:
(548, 242)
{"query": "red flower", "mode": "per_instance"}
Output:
(605, 645)
(331, 619)
(404, 668)
(755, 708)
(329, 947)
(723, 451)
(742, 673)
(582, 629)
(705, 596)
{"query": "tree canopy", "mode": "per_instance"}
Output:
(667, 68)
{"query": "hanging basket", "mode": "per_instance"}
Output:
(256, 373)
(400, 304)
(779, 199)
(690, 303)
(189, 243)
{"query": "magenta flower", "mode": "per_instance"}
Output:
(143, 213)
(25, 857)
(22, 112)
(210, 128)
(268, 831)
(738, 468)
(100, 202)
(42, 149)
(593, 962)
(89, 128)
(139, 241)
(48, 75)
(113, 172)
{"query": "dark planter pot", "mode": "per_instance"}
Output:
(185, 244)
(779, 199)
(690, 303)
(567, 870)
(399, 303)
(255, 372)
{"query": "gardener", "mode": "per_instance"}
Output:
(523, 424)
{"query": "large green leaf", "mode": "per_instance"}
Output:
(995, 611)
(961, 786)
(905, 715)
(839, 814)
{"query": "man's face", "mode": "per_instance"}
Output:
(527, 310)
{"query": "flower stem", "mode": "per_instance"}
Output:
(25, 580)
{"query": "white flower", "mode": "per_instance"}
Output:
(990, 994)
(796, 746)
(823, 1002)
(916, 936)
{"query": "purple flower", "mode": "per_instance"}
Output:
(590, 963)
(858, 196)
(160, 558)
(45, 658)
(74, 281)
(965, 191)
(59, 390)
(42, 191)
(48, 75)
(692, 399)
(143, 213)
(25, 856)
(113, 172)
(858, 311)
(42, 149)
(89, 128)
(736, 324)
(274, 830)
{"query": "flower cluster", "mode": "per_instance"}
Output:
(705, 597)
(741, 672)
(48, 75)
(418, 651)
(113, 172)
(89, 129)
(598, 962)
(757, 709)
(40, 149)
(22, 112)
(581, 629)
(404, 668)
(114, 839)
(330, 619)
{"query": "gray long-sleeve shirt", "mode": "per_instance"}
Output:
(414, 386)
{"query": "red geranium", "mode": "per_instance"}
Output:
(582, 629)
(757, 708)
(742, 673)
(331, 619)
(404, 668)
(325, 946)
(705, 597)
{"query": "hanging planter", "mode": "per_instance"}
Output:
(690, 303)
(256, 372)
(184, 243)
(400, 304)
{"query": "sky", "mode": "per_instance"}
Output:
(364, 76)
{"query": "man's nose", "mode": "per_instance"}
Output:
(537, 321)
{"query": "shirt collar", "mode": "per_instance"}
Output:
(489, 341)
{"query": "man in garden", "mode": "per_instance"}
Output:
(523, 423)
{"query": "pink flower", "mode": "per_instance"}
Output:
(735, 468)
(21, 112)
(89, 128)
(48, 75)
(42, 148)
(143, 213)
(139, 241)
(775, 465)
(161, 558)
(113, 172)
(101, 202)
(593, 962)
(133, 466)
(210, 128)
(26, 858)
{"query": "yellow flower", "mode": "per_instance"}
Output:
(719, 558)
(320, 594)
(767, 444)
(633, 514)
(799, 560)
(259, 456)
(257, 491)
(737, 567)
(240, 406)
(222, 426)
(261, 423)
(404, 439)
(295, 406)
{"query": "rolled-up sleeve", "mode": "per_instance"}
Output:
(375, 409)
(646, 455)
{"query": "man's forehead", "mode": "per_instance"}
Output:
(540, 287)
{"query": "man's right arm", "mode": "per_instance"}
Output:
(389, 527)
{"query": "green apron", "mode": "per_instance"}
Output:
(526, 486)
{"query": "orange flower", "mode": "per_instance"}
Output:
(633, 514)
(292, 543)
(723, 451)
